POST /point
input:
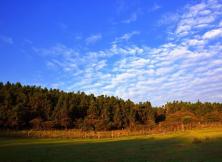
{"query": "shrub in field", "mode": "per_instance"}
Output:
(36, 123)
(196, 141)
(207, 139)
(48, 125)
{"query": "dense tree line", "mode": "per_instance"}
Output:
(31, 107)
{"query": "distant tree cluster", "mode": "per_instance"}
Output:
(31, 107)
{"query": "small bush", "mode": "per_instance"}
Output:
(207, 139)
(36, 123)
(196, 141)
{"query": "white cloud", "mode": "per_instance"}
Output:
(6, 39)
(213, 34)
(220, 24)
(195, 42)
(62, 26)
(155, 7)
(198, 16)
(126, 36)
(131, 19)
(57, 85)
(168, 19)
(93, 38)
(99, 65)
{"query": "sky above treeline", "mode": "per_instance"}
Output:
(154, 50)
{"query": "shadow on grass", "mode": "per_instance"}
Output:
(145, 149)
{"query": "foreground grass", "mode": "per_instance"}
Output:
(196, 145)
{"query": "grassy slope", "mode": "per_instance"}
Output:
(172, 147)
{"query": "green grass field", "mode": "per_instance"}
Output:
(196, 145)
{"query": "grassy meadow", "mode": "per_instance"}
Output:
(195, 145)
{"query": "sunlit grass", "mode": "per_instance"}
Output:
(192, 145)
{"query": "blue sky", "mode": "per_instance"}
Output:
(142, 50)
